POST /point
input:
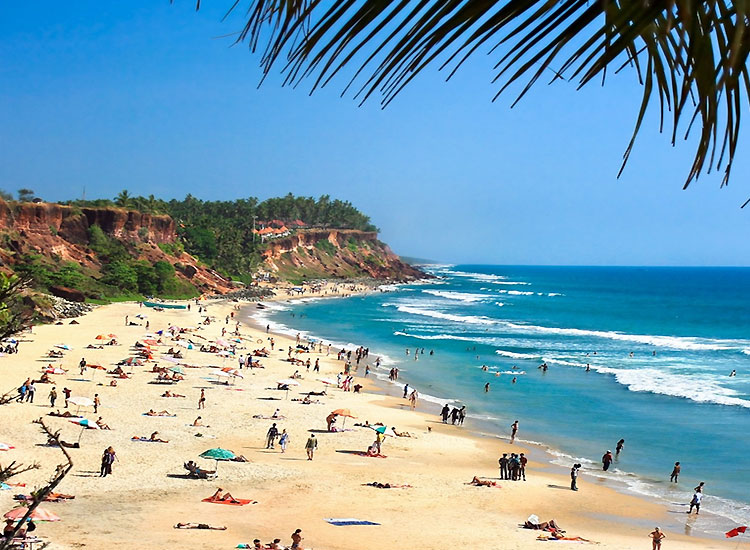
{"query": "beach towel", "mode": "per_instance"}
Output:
(235, 502)
(340, 522)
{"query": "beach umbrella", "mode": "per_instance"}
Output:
(177, 369)
(85, 422)
(63, 346)
(97, 367)
(81, 401)
(221, 342)
(101, 337)
(150, 342)
(112, 335)
(39, 514)
(328, 381)
(6, 447)
(221, 374)
(384, 430)
(288, 382)
(346, 413)
(170, 359)
(218, 454)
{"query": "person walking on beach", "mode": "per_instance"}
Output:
(656, 537)
(108, 458)
(619, 446)
(406, 391)
(97, 402)
(444, 413)
(296, 539)
(454, 415)
(461, 415)
(202, 400)
(513, 431)
(283, 440)
(67, 392)
(607, 460)
(522, 460)
(310, 446)
(503, 461)
(695, 502)
(413, 399)
(271, 435)
(574, 477)
(675, 472)
(52, 397)
(30, 391)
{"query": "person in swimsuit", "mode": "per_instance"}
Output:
(656, 537)
(296, 539)
(675, 472)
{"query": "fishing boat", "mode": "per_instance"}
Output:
(165, 306)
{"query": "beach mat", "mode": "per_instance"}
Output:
(340, 522)
(236, 502)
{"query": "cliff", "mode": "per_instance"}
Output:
(342, 253)
(61, 233)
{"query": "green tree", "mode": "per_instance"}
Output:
(121, 275)
(14, 315)
(25, 194)
(5, 195)
(123, 199)
(691, 55)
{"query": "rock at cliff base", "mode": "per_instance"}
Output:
(70, 294)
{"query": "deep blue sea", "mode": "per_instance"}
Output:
(660, 343)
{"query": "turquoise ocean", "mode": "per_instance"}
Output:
(660, 344)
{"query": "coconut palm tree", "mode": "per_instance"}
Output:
(689, 55)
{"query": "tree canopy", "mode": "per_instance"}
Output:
(688, 55)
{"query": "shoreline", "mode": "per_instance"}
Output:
(147, 488)
(537, 451)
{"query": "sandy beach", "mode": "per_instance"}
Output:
(147, 493)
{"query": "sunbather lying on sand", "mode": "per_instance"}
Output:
(401, 434)
(482, 482)
(52, 442)
(199, 526)
(170, 394)
(153, 438)
(386, 485)
(66, 414)
(151, 412)
(557, 535)
(221, 496)
(543, 526)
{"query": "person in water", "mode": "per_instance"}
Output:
(675, 472)
(618, 448)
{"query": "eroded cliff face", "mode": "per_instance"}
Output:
(61, 233)
(344, 253)
(72, 223)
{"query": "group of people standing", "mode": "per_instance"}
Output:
(456, 415)
(513, 467)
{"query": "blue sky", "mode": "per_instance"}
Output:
(143, 96)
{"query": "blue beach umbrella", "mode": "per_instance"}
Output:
(218, 454)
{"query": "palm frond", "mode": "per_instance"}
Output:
(689, 54)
